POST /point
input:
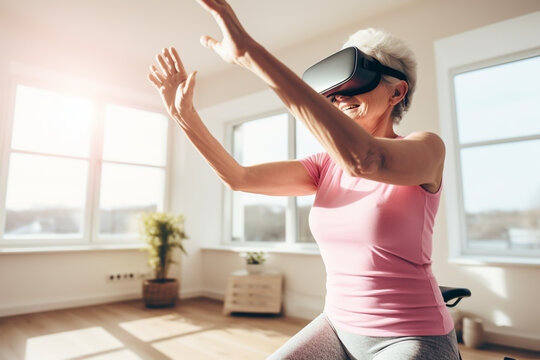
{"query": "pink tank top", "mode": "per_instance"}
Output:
(375, 241)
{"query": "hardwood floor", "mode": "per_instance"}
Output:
(194, 329)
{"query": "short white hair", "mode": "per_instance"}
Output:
(392, 52)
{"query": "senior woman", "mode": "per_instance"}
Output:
(377, 194)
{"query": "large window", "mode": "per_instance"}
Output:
(491, 125)
(270, 219)
(77, 169)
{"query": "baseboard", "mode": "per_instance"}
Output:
(207, 293)
(511, 340)
(33, 307)
(65, 304)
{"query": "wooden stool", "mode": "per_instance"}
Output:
(253, 293)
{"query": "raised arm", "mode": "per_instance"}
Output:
(286, 178)
(416, 160)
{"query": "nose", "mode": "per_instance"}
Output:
(338, 97)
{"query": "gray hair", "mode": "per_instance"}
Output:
(392, 52)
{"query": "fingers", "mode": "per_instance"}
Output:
(209, 42)
(170, 68)
(154, 80)
(235, 38)
(190, 84)
(186, 100)
(154, 71)
(177, 62)
(165, 68)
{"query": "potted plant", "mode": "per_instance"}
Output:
(163, 232)
(255, 261)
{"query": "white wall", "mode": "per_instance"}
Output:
(46, 281)
(505, 296)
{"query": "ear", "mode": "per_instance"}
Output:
(400, 90)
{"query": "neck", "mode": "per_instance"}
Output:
(383, 127)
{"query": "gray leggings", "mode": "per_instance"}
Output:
(320, 340)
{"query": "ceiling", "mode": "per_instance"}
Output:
(136, 29)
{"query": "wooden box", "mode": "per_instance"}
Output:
(253, 293)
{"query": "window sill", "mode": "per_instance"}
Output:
(69, 248)
(478, 260)
(293, 250)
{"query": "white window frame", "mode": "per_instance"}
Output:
(495, 44)
(291, 218)
(100, 95)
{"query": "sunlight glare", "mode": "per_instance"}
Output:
(62, 182)
(493, 278)
(133, 135)
(122, 184)
(500, 318)
(71, 344)
(51, 122)
(160, 327)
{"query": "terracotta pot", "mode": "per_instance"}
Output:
(157, 294)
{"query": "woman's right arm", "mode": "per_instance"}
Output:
(284, 178)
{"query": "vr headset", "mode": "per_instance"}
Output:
(347, 72)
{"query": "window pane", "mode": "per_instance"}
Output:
(136, 136)
(259, 217)
(262, 218)
(499, 101)
(51, 122)
(45, 195)
(127, 190)
(261, 140)
(501, 185)
(306, 145)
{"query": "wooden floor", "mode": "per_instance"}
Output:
(194, 329)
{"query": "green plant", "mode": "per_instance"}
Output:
(255, 257)
(162, 232)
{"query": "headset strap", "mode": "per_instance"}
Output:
(373, 64)
(388, 70)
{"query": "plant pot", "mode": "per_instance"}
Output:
(255, 268)
(160, 293)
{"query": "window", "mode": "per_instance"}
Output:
(270, 219)
(488, 102)
(79, 169)
(133, 168)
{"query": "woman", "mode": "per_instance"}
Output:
(376, 197)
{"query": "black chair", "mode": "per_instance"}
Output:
(455, 294)
(451, 293)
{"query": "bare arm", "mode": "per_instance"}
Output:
(287, 178)
(416, 160)
(284, 178)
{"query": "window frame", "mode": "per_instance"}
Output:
(100, 95)
(468, 52)
(291, 214)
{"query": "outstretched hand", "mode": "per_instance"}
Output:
(173, 83)
(236, 41)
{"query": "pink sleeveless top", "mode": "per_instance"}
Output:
(375, 241)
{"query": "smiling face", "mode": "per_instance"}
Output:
(372, 110)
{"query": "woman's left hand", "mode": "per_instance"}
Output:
(236, 42)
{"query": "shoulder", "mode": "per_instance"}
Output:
(425, 136)
(429, 140)
(319, 159)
